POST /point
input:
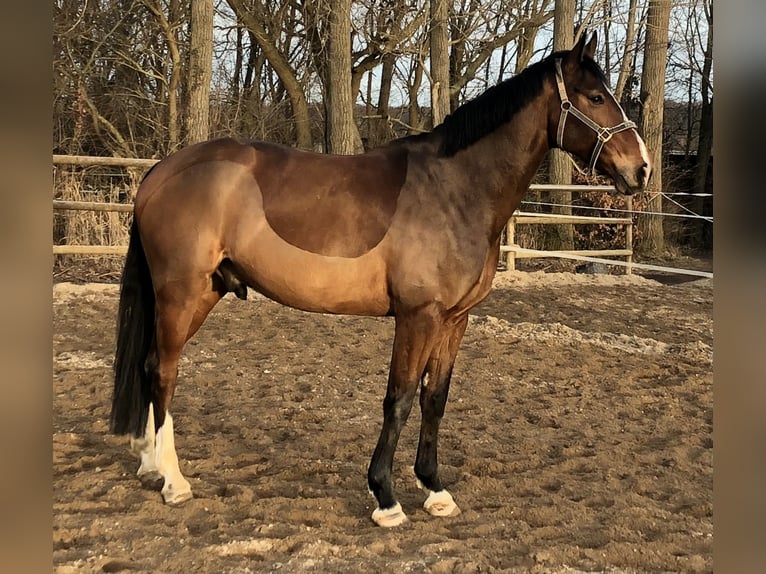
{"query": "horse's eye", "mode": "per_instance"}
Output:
(597, 99)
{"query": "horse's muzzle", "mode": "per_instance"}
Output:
(630, 182)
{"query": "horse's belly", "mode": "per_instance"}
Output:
(313, 282)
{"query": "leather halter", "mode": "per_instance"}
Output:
(567, 107)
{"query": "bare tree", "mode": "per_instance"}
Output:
(625, 61)
(480, 29)
(651, 118)
(415, 79)
(532, 15)
(391, 30)
(109, 83)
(172, 66)
(253, 18)
(705, 139)
(200, 70)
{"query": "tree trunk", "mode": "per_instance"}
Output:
(652, 107)
(382, 132)
(238, 66)
(560, 165)
(340, 100)
(169, 25)
(200, 71)
(439, 50)
(607, 17)
(414, 107)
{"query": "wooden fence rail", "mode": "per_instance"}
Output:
(514, 251)
(510, 249)
(91, 206)
(86, 160)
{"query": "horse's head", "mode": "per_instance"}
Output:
(587, 121)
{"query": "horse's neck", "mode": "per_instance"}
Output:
(502, 164)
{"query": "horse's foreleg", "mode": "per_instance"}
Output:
(433, 400)
(413, 339)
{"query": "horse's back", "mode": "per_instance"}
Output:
(325, 204)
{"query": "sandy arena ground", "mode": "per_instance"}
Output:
(577, 438)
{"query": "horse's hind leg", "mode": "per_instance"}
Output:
(433, 400)
(180, 312)
(144, 447)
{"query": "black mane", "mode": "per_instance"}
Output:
(485, 113)
(482, 115)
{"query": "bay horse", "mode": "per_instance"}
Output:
(409, 230)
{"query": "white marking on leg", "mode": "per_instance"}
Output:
(145, 447)
(440, 503)
(176, 488)
(425, 380)
(389, 517)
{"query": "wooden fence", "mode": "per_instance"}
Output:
(514, 251)
(510, 249)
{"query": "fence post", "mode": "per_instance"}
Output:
(510, 240)
(629, 235)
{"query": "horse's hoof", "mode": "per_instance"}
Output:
(441, 504)
(389, 517)
(176, 498)
(151, 480)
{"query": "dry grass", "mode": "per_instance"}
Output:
(71, 227)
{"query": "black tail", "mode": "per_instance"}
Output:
(135, 331)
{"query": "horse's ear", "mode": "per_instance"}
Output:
(590, 47)
(576, 54)
(580, 51)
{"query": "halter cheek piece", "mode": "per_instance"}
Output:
(603, 134)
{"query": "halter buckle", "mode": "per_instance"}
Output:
(605, 134)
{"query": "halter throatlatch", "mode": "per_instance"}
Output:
(604, 134)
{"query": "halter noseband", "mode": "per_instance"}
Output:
(604, 134)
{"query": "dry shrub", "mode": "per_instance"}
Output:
(606, 235)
